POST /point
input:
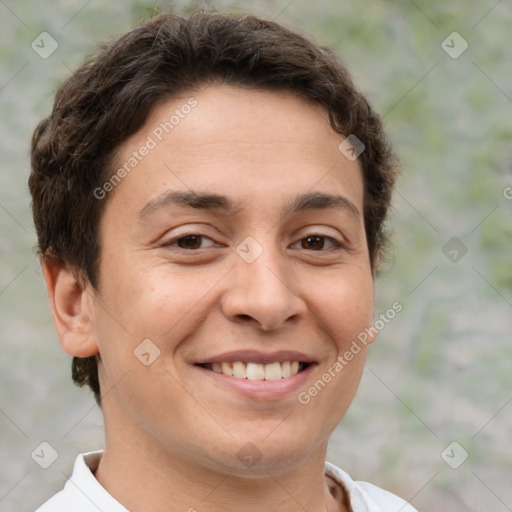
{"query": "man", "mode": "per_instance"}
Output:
(209, 194)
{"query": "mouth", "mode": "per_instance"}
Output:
(249, 370)
(258, 375)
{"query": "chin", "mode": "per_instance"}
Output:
(257, 455)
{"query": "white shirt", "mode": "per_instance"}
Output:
(83, 493)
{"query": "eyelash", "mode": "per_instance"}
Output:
(336, 243)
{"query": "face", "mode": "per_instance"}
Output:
(236, 246)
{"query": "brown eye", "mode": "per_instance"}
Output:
(314, 242)
(319, 243)
(190, 242)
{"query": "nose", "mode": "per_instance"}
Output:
(263, 293)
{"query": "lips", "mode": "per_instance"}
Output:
(258, 375)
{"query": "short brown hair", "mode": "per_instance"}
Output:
(109, 98)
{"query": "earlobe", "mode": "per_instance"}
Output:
(71, 306)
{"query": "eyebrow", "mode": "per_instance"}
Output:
(319, 200)
(217, 202)
(188, 199)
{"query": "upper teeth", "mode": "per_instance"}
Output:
(256, 371)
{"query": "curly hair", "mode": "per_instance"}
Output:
(109, 98)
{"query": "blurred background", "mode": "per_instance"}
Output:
(433, 417)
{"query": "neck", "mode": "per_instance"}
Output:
(161, 481)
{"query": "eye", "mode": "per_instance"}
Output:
(315, 242)
(189, 242)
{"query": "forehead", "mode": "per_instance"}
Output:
(240, 142)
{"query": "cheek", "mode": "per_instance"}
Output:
(159, 303)
(345, 304)
(343, 309)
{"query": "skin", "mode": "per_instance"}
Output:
(172, 434)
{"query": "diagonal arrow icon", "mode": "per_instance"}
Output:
(454, 249)
(249, 249)
(454, 45)
(44, 45)
(454, 455)
(44, 455)
(351, 147)
(146, 352)
(249, 454)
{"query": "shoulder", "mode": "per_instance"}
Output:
(366, 497)
(82, 492)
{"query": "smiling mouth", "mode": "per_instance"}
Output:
(257, 371)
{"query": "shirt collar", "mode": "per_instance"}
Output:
(84, 487)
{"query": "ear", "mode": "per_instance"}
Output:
(72, 309)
